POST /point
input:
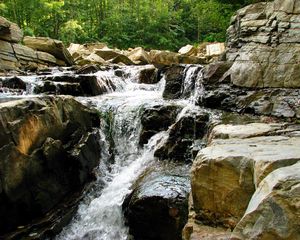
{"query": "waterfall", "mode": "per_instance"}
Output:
(123, 160)
(192, 86)
(100, 215)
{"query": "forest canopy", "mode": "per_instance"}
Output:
(156, 24)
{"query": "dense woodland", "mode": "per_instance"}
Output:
(159, 24)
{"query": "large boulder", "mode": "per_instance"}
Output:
(274, 212)
(47, 152)
(227, 172)
(9, 31)
(107, 54)
(263, 43)
(51, 46)
(185, 135)
(155, 119)
(158, 205)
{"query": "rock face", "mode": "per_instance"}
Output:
(241, 163)
(47, 151)
(189, 128)
(51, 46)
(174, 80)
(263, 42)
(158, 206)
(156, 119)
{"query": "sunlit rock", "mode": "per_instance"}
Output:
(51, 46)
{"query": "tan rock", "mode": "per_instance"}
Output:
(48, 45)
(24, 53)
(90, 59)
(77, 50)
(225, 174)
(274, 209)
(122, 59)
(168, 58)
(46, 58)
(93, 46)
(107, 54)
(243, 131)
(139, 55)
(10, 31)
(189, 50)
(8, 60)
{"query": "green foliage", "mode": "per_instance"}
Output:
(156, 24)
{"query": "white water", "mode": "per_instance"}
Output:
(100, 215)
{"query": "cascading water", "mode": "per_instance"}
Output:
(100, 215)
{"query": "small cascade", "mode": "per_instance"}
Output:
(102, 218)
(192, 87)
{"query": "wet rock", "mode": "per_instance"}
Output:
(273, 212)
(149, 75)
(13, 83)
(158, 206)
(47, 152)
(92, 86)
(156, 119)
(51, 46)
(48, 87)
(174, 80)
(75, 85)
(228, 171)
(183, 134)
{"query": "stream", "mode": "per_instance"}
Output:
(123, 159)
